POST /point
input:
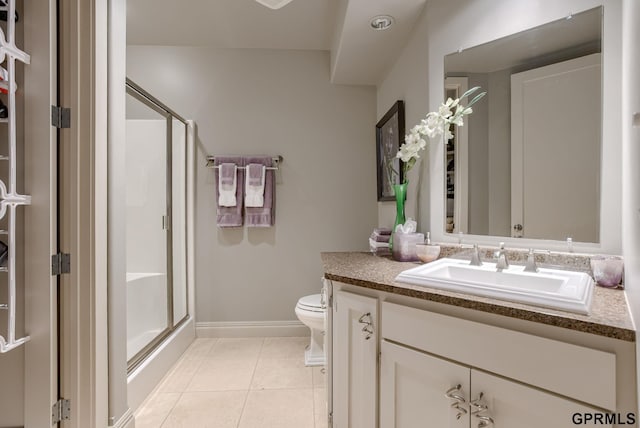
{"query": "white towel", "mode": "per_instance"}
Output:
(254, 185)
(227, 176)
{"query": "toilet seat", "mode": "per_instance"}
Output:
(312, 303)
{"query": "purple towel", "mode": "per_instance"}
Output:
(231, 216)
(264, 216)
(380, 238)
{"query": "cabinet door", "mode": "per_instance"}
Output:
(413, 387)
(355, 338)
(512, 404)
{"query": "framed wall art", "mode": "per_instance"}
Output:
(389, 138)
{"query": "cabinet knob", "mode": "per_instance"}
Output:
(455, 393)
(481, 412)
(368, 325)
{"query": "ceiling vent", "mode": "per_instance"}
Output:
(274, 4)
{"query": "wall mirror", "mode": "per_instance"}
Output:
(527, 163)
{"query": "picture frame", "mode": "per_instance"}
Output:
(389, 138)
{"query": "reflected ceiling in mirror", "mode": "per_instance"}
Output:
(527, 163)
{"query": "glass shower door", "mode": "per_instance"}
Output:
(156, 203)
(148, 197)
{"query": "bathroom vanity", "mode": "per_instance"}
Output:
(403, 355)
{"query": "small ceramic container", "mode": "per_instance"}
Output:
(427, 252)
(607, 270)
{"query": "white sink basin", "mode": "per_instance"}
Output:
(550, 288)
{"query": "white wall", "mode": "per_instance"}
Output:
(631, 156)
(417, 77)
(276, 103)
(408, 80)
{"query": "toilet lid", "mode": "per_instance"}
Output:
(312, 302)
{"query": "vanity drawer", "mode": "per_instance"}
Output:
(578, 372)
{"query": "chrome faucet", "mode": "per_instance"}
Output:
(531, 265)
(475, 256)
(501, 255)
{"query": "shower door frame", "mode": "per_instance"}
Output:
(158, 106)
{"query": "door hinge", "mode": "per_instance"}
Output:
(330, 419)
(60, 263)
(60, 117)
(60, 411)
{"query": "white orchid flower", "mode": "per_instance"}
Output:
(435, 123)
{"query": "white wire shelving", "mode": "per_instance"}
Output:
(10, 199)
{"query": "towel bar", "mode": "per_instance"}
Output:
(277, 160)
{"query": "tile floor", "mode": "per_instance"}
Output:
(239, 383)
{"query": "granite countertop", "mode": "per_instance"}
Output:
(610, 316)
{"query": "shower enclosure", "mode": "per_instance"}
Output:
(156, 223)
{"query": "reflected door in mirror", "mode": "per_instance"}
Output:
(554, 186)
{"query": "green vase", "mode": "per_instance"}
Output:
(400, 192)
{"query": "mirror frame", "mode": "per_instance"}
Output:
(484, 31)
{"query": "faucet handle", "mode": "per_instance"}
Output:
(502, 260)
(531, 265)
(475, 256)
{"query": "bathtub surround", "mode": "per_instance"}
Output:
(248, 101)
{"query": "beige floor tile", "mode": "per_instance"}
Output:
(284, 347)
(180, 375)
(319, 377)
(236, 348)
(319, 407)
(207, 410)
(178, 378)
(155, 410)
(199, 348)
(281, 373)
(223, 375)
(278, 408)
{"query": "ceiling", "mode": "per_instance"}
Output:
(360, 55)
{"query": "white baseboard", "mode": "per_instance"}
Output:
(126, 421)
(251, 329)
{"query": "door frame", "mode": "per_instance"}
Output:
(83, 66)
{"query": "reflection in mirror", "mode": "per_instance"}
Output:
(527, 163)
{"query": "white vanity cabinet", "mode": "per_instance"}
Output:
(418, 390)
(514, 379)
(355, 360)
(436, 366)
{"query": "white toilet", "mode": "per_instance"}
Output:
(311, 311)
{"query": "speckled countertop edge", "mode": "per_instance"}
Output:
(610, 316)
